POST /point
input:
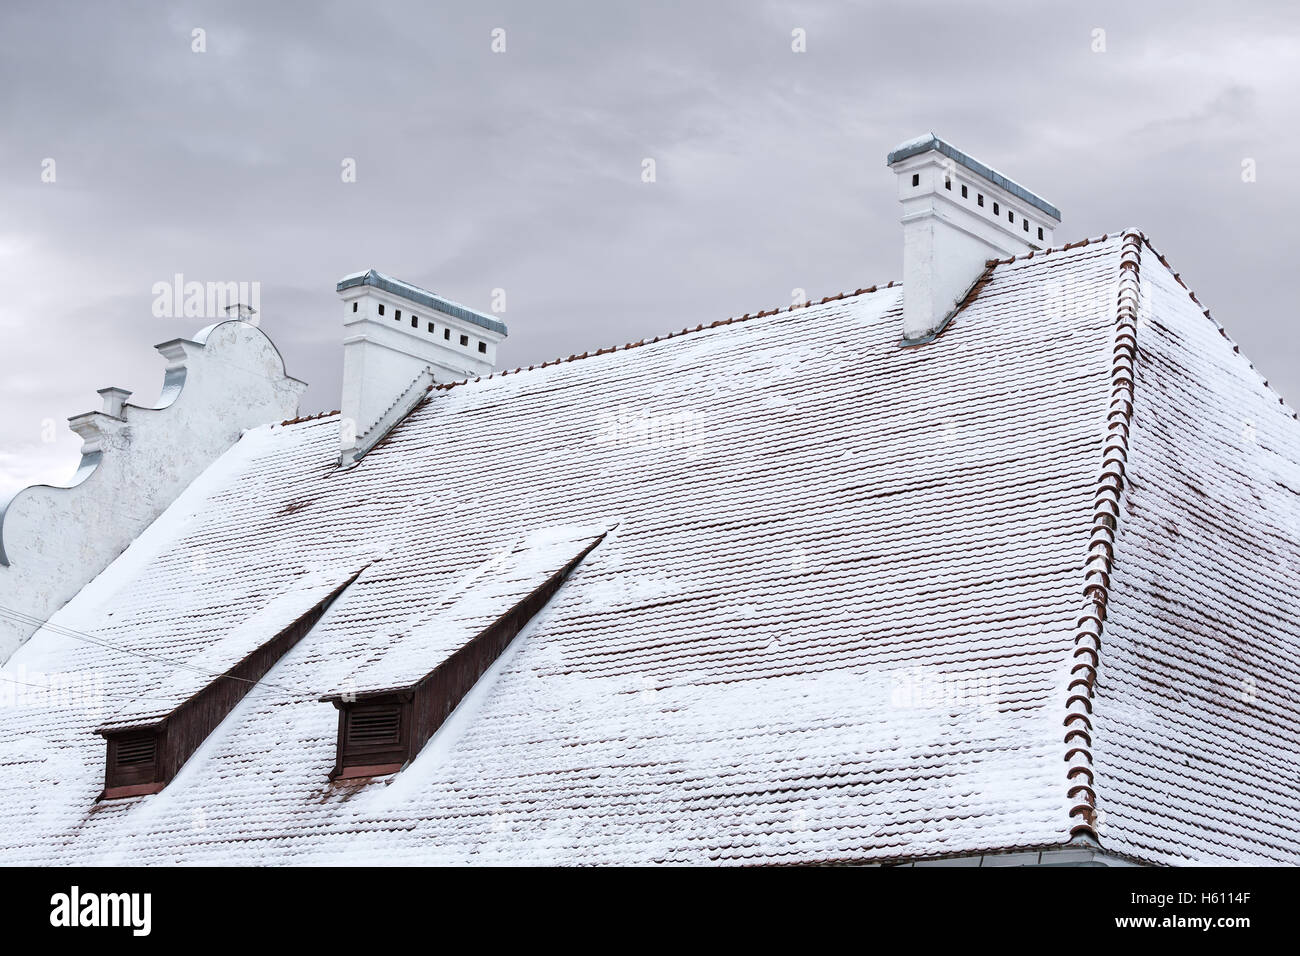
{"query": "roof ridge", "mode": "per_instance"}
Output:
(671, 335)
(1217, 324)
(1101, 547)
(1146, 240)
(809, 303)
(309, 418)
(1077, 244)
(1109, 494)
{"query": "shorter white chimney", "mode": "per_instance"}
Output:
(398, 338)
(957, 214)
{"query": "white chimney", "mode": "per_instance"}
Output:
(396, 336)
(957, 214)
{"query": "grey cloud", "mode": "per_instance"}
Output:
(521, 170)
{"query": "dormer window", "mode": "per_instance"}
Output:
(412, 692)
(149, 740)
(133, 768)
(374, 737)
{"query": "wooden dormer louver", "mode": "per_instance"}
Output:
(132, 762)
(383, 728)
(375, 737)
(376, 726)
(145, 752)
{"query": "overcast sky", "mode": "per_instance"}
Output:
(521, 170)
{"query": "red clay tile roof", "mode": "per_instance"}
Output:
(838, 620)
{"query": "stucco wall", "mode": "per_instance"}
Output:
(54, 540)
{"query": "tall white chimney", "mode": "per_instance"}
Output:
(398, 339)
(957, 214)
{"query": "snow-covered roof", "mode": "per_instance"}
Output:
(844, 607)
(228, 648)
(471, 605)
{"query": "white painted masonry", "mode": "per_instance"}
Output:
(393, 333)
(135, 461)
(948, 237)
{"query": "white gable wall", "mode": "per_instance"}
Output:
(56, 539)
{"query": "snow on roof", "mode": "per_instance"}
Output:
(228, 649)
(471, 604)
(834, 620)
(1195, 752)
